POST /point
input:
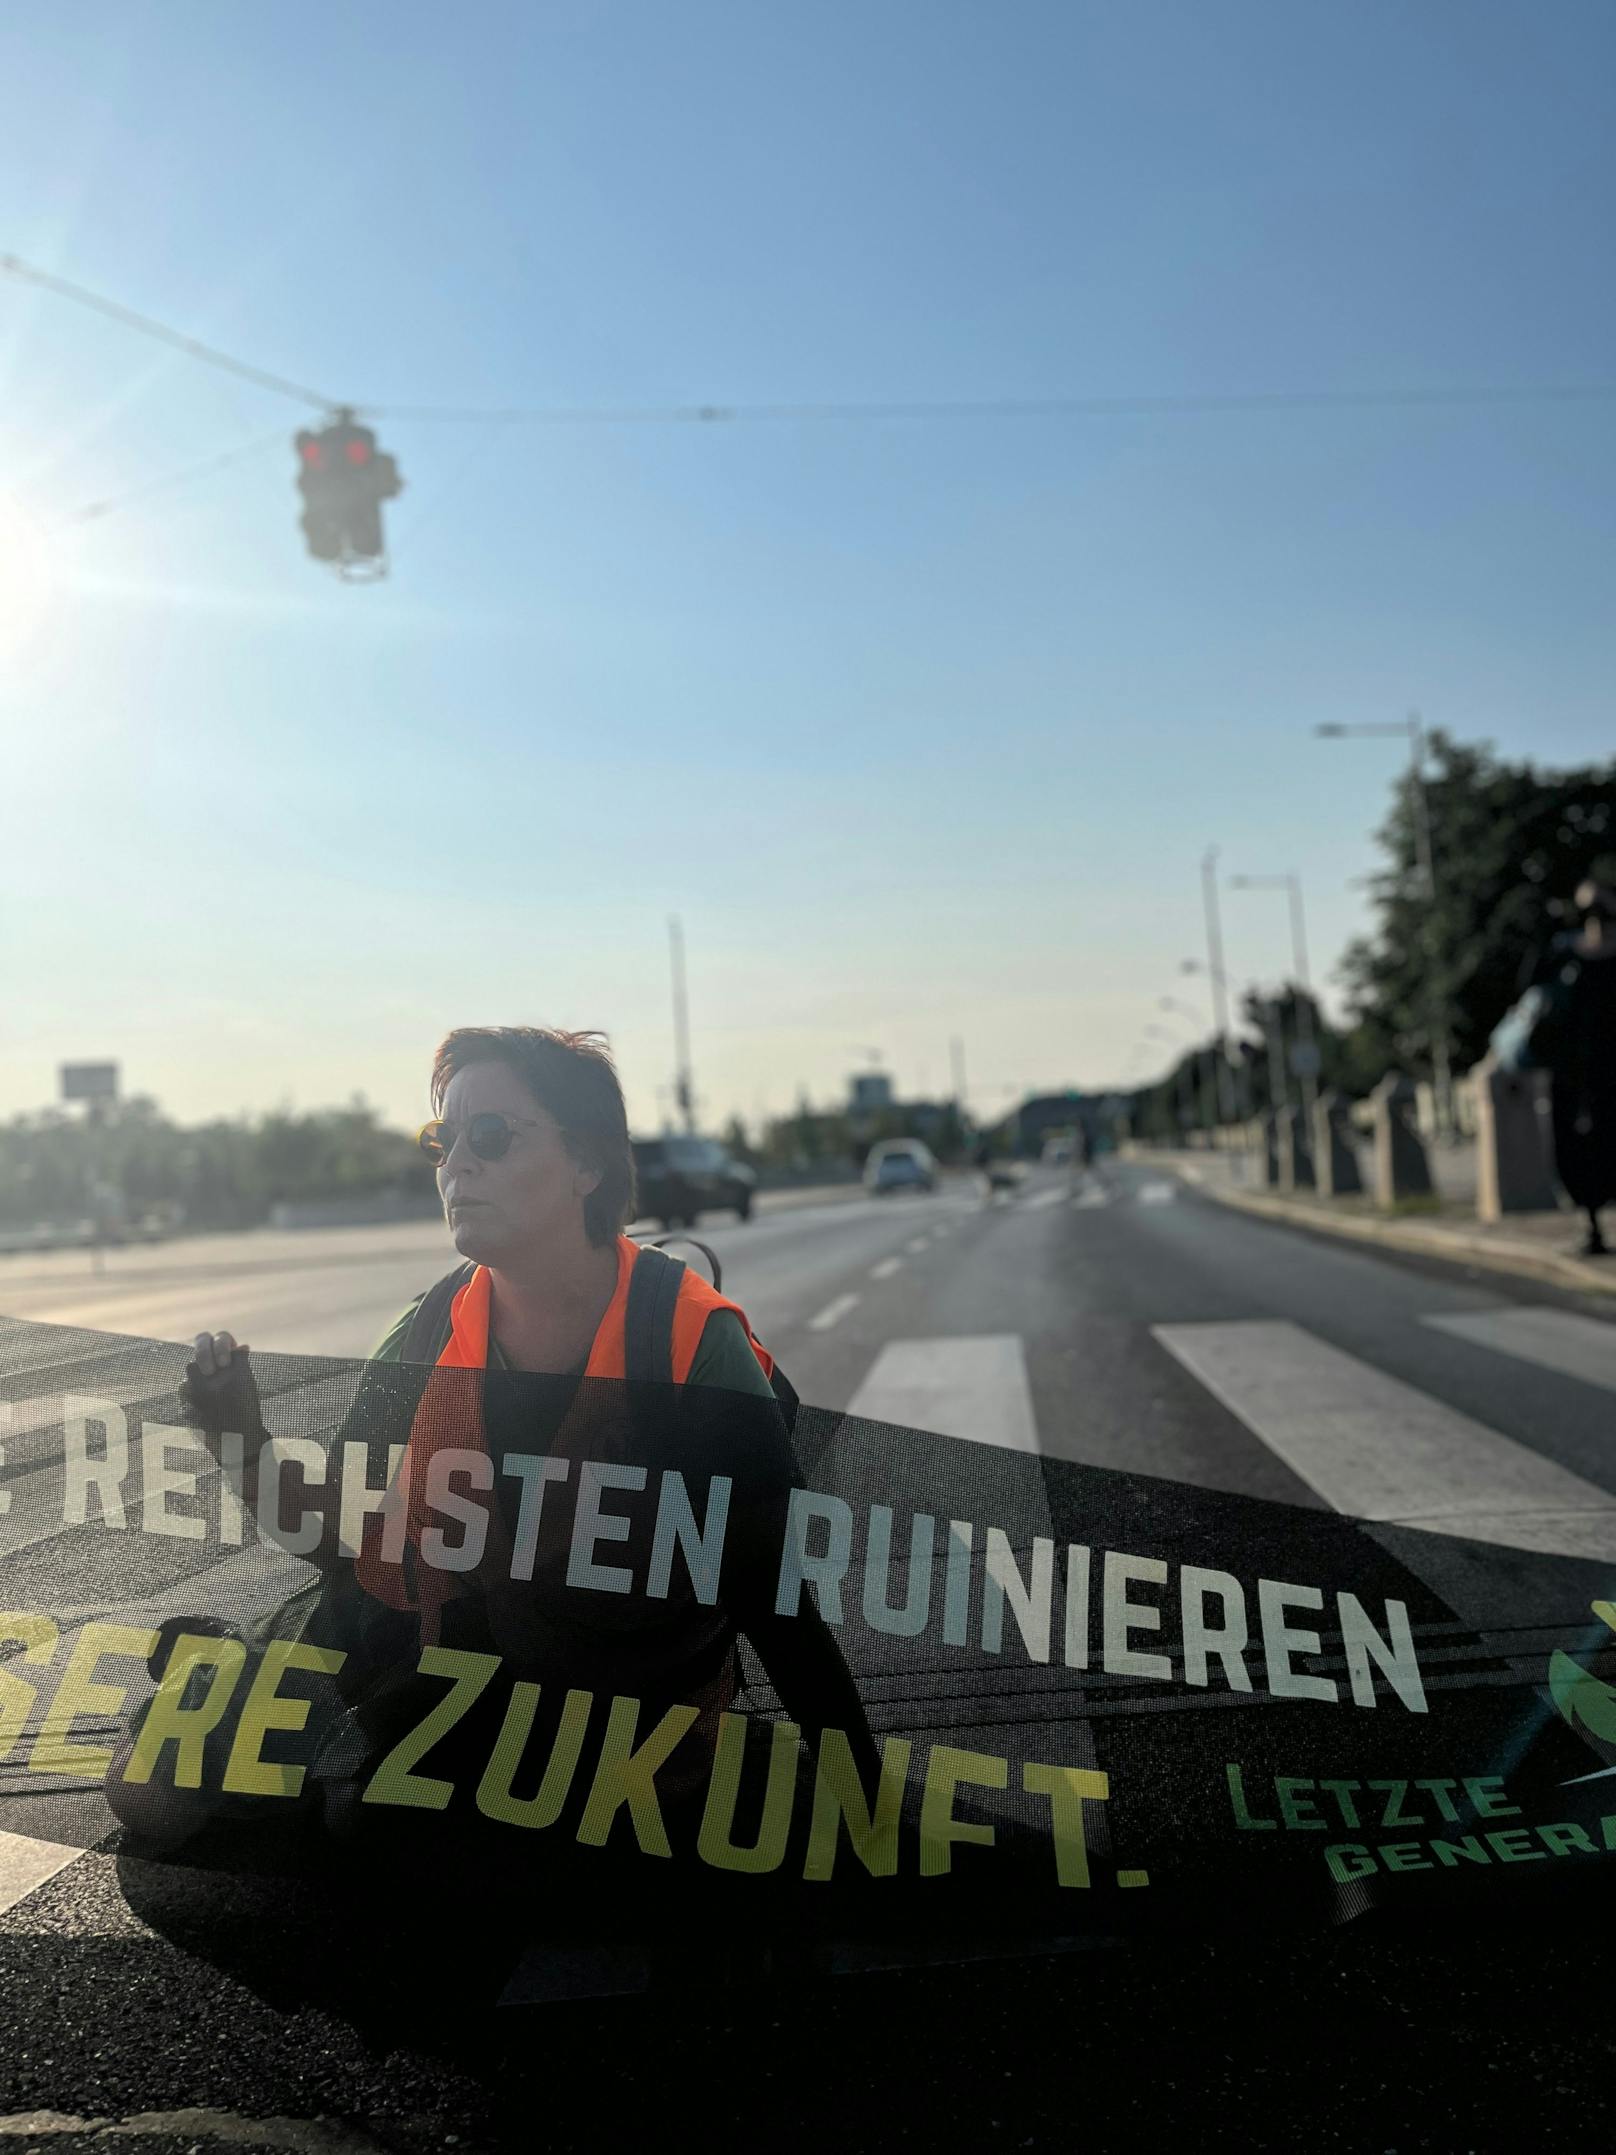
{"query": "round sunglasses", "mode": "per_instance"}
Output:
(488, 1135)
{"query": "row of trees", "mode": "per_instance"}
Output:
(1510, 842)
(131, 1162)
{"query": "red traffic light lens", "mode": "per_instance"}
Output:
(358, 452)
(312, 453)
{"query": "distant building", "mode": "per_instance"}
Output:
(869, 1092)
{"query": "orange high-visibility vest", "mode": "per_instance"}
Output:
(449, 1417)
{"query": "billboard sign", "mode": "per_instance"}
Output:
(89, 1081)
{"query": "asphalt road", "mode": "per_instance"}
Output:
(1118, 1319)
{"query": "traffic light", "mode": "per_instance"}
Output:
(344, 479)
(322, 519)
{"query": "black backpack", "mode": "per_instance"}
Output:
(653, 1289)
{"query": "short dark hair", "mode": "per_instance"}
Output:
(572, 1077)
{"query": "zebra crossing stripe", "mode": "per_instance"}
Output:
(975, 1388)
(26, 1863)
(1093, 1199)
(1379, 1449)
(1158, 1193)
(1572, 1346)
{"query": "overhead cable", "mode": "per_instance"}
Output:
(148, 326)
(174, 479)
(967, 408)
(996, 407)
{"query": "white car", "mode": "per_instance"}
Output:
(899, 1163)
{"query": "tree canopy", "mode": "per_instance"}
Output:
(1509, 845)
(132, 1160)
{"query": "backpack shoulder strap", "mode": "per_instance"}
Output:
(430, 1323)
(711, 1255)
(785, 1393)
(653, 1289)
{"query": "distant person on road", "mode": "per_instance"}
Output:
(984, 1163)
(1565, 1022)
(524, 1341)
(1577, 1039)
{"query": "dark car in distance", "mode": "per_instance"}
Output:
(680, 1178)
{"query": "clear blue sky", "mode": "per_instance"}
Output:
(922, 727)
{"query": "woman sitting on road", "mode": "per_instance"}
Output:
(530, 1345)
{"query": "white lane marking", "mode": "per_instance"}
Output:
(195, 2127)
(1572, 1346)
(1042, 1198)
(974, 1388)
(1380, 1449)
(1158, 1193)
(833, 1313)
(919, 1243)
(885, 1269)
(1093, 1199)
(25, 1864)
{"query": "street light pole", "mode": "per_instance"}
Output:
(1298, 931)
(1215, 975)
(1306, 1037)
(1278, 1085)
(1441, 1068)
(683, 1090)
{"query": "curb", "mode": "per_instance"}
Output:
(1517, 1258)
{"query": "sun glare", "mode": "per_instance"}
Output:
(28, 578)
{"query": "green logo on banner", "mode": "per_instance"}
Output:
(1584, 1700)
